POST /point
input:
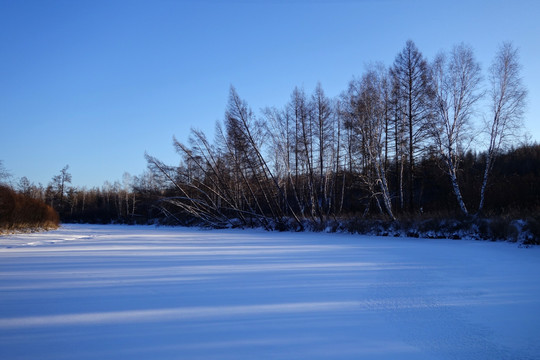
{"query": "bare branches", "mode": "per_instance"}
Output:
(4, 174)
(507, 104)
(368, 102)
(318, 157)
(410, 73)
(456, 81)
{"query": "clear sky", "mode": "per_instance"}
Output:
(94, 84)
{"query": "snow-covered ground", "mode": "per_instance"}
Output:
(117, 292)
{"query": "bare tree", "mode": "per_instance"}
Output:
(300, 112)
(24, 186)
(397, 131)
(230, 179)
(4, 174)
(128, 182)
(337, 144)
(367, 104)
(411, 74)
(281, 143)
(323, 125)
(456, 80)
(59, 183)
(332, 159)
(507, 97)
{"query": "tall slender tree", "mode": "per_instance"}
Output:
(507, 97)
(397, 131)
(322, 117)
(411, 73)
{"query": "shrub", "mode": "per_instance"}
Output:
(19, 212)
(503, 229)
(358, 225)
(532, 226)
(498, 228)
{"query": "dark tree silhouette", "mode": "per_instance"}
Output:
(411, 73)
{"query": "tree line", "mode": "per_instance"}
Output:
(362, 153)
(400, 141)
(146, 198)
(125, 201)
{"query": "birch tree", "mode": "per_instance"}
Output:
(507, 100)
(456, 79)
(367, 114)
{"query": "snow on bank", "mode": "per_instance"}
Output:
(110, 292)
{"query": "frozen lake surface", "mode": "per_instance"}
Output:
(118, 292)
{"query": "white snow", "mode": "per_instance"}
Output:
(119, 292)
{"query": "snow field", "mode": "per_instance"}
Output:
(113, 292)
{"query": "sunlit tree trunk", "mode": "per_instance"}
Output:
(456, 80)
(507, 103)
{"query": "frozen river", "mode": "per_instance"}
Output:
(118, 292)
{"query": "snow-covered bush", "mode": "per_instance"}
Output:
(532, 228)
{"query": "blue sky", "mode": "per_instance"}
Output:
(95, 84)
